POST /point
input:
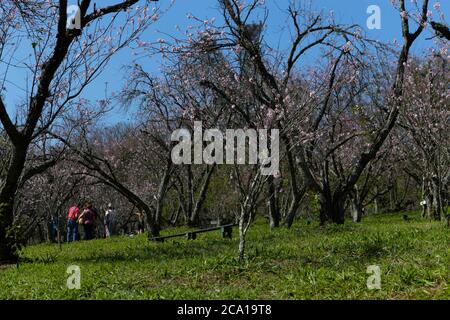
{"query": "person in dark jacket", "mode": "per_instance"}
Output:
(87, 219)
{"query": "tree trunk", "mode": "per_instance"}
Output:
(194, 218)
(437, 202)
(392, 196)
(290, 216)
(7, 253)
(332, 208)
(297, 194)
(7, 198)
(190, 199)
(357, 206)
(162, 191)
(244, 221)
(429, 205)
(241, 238)
(424, 199)
(174, 216)
(153, 228)
(429, 199)
(274, 210)
(357, 211)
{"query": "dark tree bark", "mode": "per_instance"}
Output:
(332, 208)
(274, 210)
(357, 207)
(195, 214)
(442, 30)
(296, 193)
(162, 190)
(7, 197)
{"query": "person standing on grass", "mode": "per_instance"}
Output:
(141, 222)
(110, 221)
(72, 225)
(87, 219)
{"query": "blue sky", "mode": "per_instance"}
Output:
(345, 11)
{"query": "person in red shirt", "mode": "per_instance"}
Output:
(72, 225)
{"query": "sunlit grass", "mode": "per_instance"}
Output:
(305, 262)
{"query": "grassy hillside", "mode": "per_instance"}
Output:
(306, 262)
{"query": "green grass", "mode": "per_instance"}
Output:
(305, 262)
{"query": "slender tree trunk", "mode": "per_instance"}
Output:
(357, 206)
(274, 210)
(323, 213)
(244, 222)
(429, 199)
(194, 218)
(242, 235)
(174, 217)
(190, 198)
(162, 192)
(48, 235)
(357, 211)
(297, 194)
(424, 204)
(293, 208)
(392, 196)
(436, 204)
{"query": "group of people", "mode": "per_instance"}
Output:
(88, 219)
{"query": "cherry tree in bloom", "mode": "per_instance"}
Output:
(425, 118)
(360, 106)
(60, 63)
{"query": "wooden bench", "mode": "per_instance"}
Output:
(225, 231)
